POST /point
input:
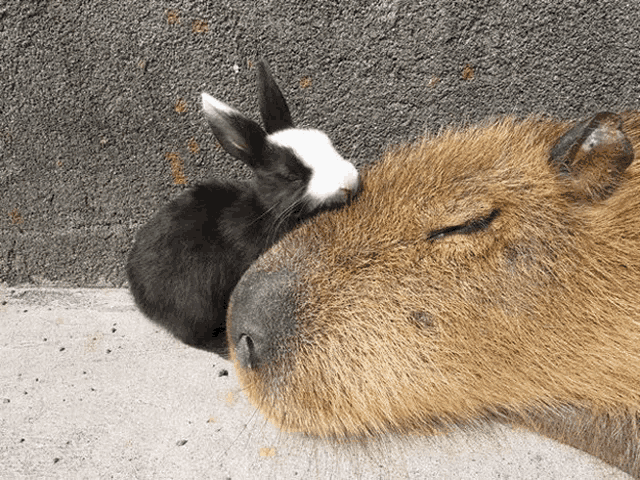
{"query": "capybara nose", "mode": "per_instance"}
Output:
(261, 317)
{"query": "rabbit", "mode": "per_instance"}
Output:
(188, 258)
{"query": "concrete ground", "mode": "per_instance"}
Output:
(91, 389)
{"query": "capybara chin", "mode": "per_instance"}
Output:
(488, 273)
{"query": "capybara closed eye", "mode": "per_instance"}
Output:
(487, 273)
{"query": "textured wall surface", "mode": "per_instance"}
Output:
(100, 120)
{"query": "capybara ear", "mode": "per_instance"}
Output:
(593, 154)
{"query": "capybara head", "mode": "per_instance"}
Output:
(491, 272)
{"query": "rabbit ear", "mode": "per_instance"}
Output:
(238, 135)
(273, 107)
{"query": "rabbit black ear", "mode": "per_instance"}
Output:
(273, 107)
(238, 135)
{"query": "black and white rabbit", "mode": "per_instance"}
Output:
(188, 258)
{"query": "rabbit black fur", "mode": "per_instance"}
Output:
(186, 261)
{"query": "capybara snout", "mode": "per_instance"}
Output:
(265, 318)
(491, 272)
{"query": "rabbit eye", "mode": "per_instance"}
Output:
(465, 228)
(291, 178)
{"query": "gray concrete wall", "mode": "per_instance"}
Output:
(99, 100)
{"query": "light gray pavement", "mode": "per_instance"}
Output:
(91, 389)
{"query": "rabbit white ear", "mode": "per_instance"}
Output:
(241, 137)
(213, 106)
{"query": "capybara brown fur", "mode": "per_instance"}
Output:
(489, 273)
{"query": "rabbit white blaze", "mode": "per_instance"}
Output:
(189, 256)
(332, 177)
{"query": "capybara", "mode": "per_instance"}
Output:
(490, 273)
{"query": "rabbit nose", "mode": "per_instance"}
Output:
(345, 195)
(262, 317)
(353, 191)
(349, 193)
